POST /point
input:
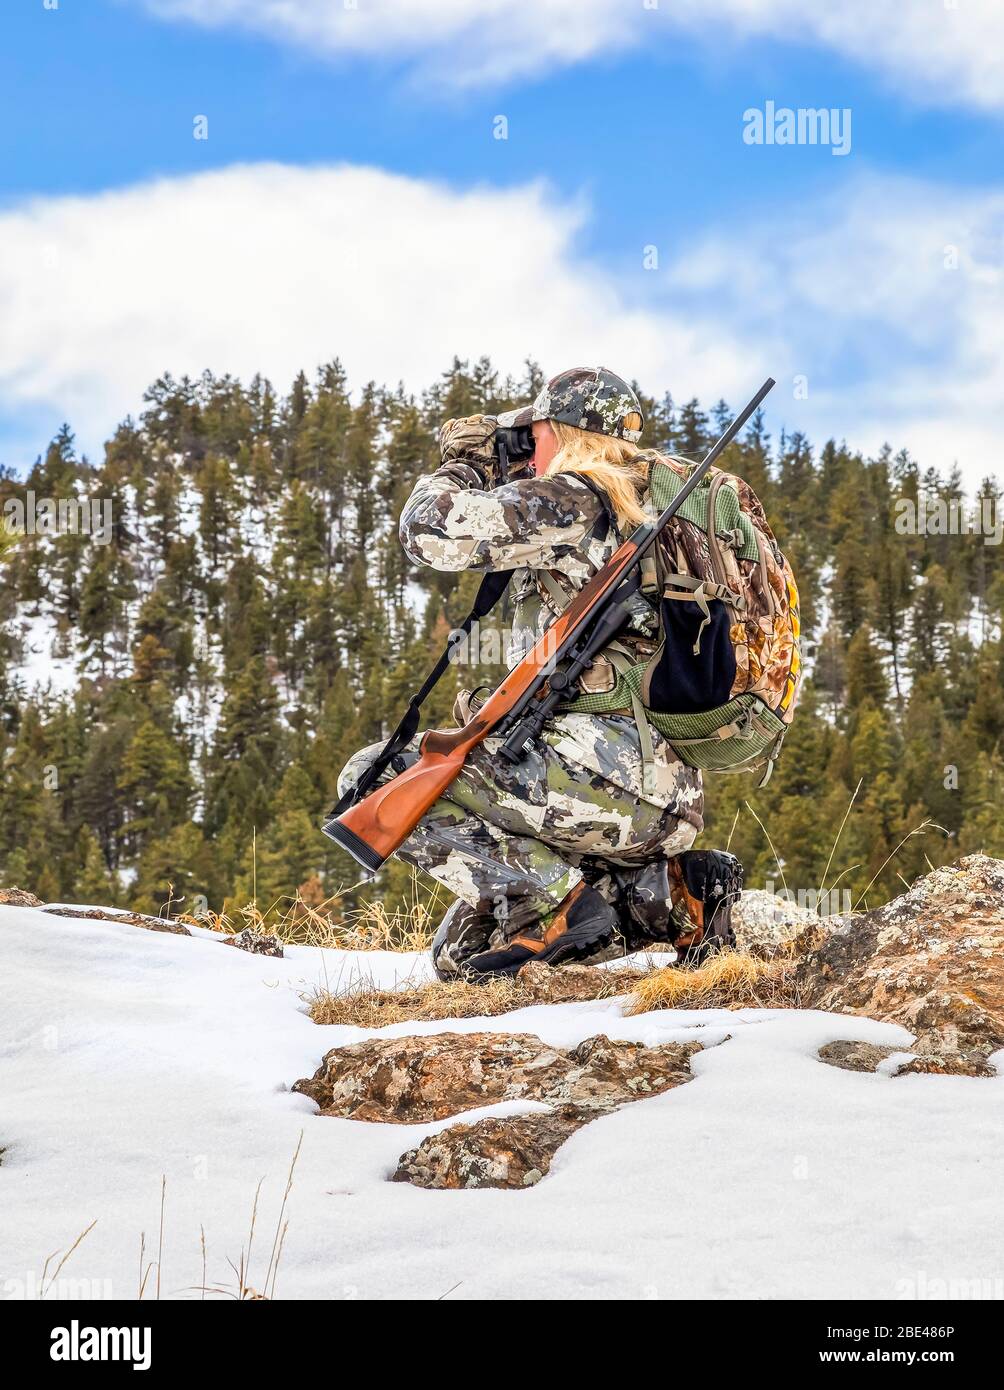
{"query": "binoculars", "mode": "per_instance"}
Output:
(513, 444)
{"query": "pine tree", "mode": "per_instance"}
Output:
(253, 621)
(177, 870)
(290, 851)
(155, 785)
(866, 678)
(94, 883)
(692, 437)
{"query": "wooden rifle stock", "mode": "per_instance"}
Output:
(379, 823)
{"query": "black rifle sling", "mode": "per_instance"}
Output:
(493, 586)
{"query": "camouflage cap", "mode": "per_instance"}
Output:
(591, 398)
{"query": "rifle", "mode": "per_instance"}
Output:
(371, 827)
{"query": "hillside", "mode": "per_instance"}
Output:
(179, 690)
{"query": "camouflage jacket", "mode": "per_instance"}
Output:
(559, 525)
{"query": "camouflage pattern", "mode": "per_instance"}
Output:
(552, 523)
(471, 438)
(590, 398)
(511, 842)
(765, 634)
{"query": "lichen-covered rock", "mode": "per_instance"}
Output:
(765, 922)
(129, 919)
(405, 1080)
(258, 943)
(19, 897)
(857, 1056)
(931, 960)
(602, 1074)
(408, 1080)
(515, 1151)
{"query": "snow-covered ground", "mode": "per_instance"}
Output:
(127, 1054)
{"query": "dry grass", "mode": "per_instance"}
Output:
(366, 1007)
(373, 928)
(732, 980)
(326, 923)
(46, 1283)
(242, 1290)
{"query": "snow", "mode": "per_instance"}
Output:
(39, 669)
(126, 1054)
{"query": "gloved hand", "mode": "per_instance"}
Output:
(466, 705)
(471, 441)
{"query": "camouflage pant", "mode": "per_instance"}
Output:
(511, 842)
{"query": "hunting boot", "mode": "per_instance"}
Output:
(463, 932)
(582, 924)
(685, 902)
(707, 883)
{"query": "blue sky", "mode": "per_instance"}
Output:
(637, 147)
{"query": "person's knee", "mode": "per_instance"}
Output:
(360, 763)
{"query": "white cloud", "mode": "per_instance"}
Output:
(941, 53)
(889, 298)
(271, 268)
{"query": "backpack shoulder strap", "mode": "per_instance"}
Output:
(607, 521)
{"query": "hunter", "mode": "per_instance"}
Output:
(583, 850)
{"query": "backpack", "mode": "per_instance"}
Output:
(722, 683)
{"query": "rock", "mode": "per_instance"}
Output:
(764, 922)
(931, 960)
(857, 1056)
(967, 1062)
(132, 919)
(404, 1080)
(409, 1080)
(258, 943)
(512, 1152)
(19, 897)
(605, 1074)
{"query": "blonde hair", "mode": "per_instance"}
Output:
(616, 466)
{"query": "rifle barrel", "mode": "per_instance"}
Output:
(699, 472)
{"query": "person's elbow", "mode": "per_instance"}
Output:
(427, 546)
